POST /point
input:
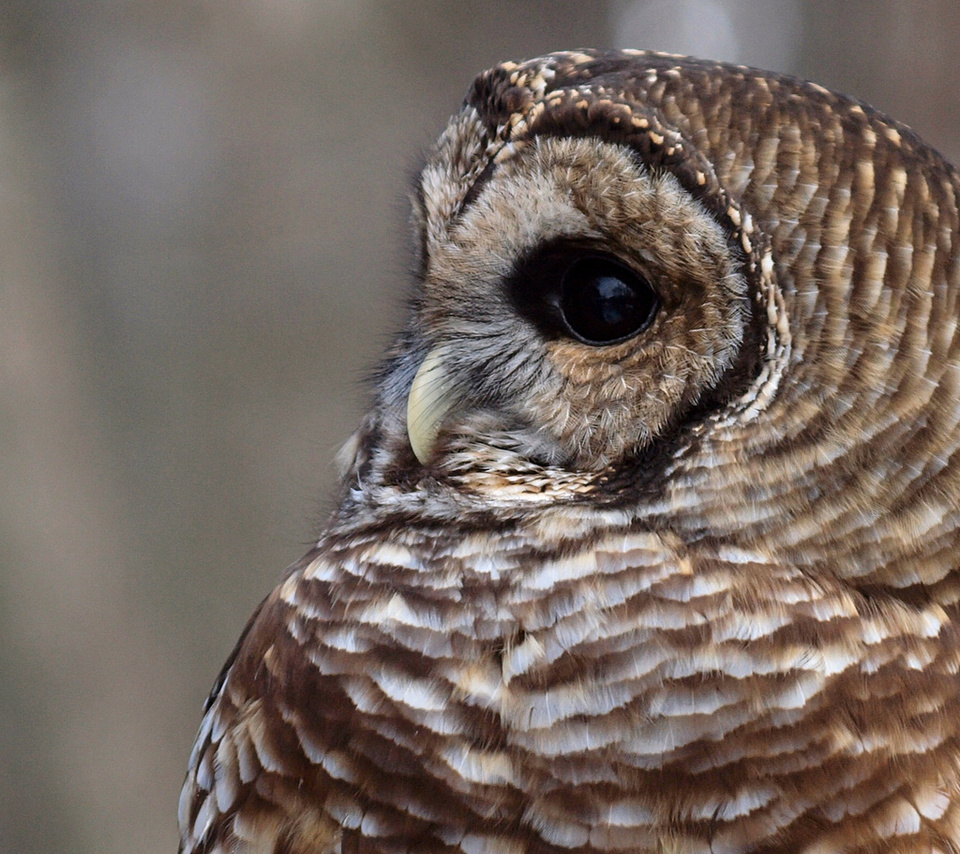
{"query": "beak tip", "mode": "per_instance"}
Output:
(421, 445)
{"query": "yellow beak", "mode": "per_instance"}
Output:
(432, 397)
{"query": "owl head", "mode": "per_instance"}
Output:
(726, 299)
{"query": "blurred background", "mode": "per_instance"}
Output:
(202, 250)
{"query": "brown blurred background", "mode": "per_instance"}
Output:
(202, 249)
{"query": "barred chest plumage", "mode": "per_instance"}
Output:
(576, 683)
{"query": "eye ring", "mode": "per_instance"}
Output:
(603, 301)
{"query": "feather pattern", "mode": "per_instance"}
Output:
(693, 591)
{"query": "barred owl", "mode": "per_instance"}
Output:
(649, 542)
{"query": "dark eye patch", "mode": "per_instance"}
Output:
(580, 293)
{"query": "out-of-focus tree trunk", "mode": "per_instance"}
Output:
(86, 704)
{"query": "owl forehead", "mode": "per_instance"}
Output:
(513, 108)
(465, 164)
(581, 189)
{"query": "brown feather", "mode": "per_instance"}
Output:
(693, 591)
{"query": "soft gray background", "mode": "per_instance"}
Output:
(202, 249)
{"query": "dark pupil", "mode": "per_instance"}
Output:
(603, 302)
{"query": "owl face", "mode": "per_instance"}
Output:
(576, 304)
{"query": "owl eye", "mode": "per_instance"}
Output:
(604, 302)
